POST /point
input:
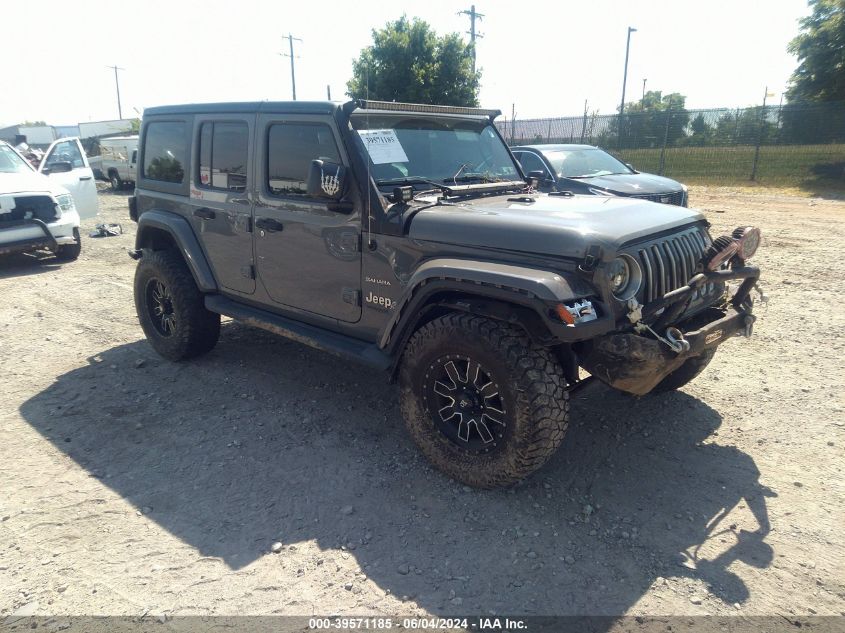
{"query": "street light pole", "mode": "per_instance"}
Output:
(625, 76)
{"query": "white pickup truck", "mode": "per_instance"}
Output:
(42, 209)
(119, 160)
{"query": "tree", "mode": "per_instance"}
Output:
(820, 48)
(701, 131)
(409, 62)
(644, 122)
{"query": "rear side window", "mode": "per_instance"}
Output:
(290, 149)
(223, 154)
(165, 151)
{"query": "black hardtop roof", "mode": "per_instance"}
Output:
(314, 107)
(285, 107)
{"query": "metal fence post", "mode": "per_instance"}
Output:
(665, 139)
(759, 136)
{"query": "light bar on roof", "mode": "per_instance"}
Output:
(366, 104)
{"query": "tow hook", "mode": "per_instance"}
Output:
(674, 338)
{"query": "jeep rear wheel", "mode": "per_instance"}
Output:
(115, 181)
(483, 403)
(170, 307)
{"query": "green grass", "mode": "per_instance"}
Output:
(806, 166)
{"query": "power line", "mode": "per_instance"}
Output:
(473, 35)
(117, 86)
(290, 38)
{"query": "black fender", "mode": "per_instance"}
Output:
(515, 294)
(179, 229)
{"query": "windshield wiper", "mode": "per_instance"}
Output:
(470, 177)
(411, 180)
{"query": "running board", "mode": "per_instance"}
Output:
(327, 341)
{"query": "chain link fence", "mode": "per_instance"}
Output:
(790, 145)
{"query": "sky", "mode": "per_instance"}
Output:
(541, 58)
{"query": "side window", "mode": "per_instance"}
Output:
(290, 149)
(66, 151)
(165, 151)
(223, 152)
(531, 162)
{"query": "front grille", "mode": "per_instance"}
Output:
(674, 197)
(670, 262)
(27, 207)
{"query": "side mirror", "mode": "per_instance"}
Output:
(59, 167)
(539, 177)
(326, 180)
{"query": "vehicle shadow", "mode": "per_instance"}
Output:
(22, 264)
(265, 440)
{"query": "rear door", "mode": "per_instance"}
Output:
(308, 255)
(79, 181)
(221, 209)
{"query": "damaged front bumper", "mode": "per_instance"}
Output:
(637, 361)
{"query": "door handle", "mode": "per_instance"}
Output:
(205, 214)
(85, 177)
(269, 224)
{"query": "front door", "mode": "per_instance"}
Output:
(307, 255)
(79, 181)
(221, 209)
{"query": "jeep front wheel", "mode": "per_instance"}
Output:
(171, 309)
(483, 403)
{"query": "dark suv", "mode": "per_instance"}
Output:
(408, 238)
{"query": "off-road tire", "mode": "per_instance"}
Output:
(70, 252)
(534, 398)
(193, 329)
(115, 182)
(685, 373)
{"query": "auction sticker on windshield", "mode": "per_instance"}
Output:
(383, 146)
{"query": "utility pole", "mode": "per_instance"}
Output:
(473, 35)
(117, 86)
(328, 92)
(290, 38)
(759, 134)
(624, 84)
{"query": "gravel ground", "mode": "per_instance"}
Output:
(132, 485)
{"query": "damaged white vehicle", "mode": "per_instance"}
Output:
(42, 209)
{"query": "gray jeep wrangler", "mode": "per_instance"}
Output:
(407, 237)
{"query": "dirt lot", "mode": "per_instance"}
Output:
(132, 485)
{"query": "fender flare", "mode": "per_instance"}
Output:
(183, 235)
(529, 288)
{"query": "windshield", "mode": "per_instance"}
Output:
(11, 162)
(584, 163)
(440, 149)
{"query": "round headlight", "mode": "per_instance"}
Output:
(625, 277)
(749, 238)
